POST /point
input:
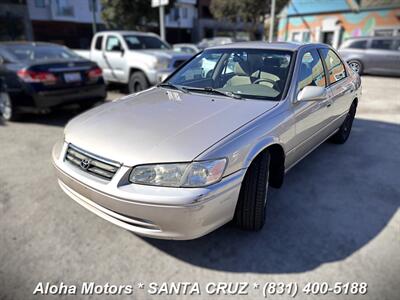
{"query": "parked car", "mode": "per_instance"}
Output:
(39, 76)
(185, 157)
(215, 41)
(186, 48)
(373, 55)
(136, 59)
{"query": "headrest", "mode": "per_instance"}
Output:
(241, 69)
(273, 61)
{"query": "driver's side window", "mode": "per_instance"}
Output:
(311, 71)
(113, 44)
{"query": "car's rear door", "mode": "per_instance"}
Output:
(341, 87)
(382, 56)
(96, 52)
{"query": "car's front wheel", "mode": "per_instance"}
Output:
(252, 202)
(137, 82)
(7, 108)
(343, 133)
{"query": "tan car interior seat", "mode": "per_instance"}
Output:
(241, 76)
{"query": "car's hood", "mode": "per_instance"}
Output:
(160, 125)
(169, 54)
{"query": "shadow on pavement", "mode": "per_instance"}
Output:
(56, 117)
(59, 117)
(332, 204)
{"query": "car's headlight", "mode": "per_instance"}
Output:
(161, 64)
(195, 174)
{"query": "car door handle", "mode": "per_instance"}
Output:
(349, 87)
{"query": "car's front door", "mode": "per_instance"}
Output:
(310, 117)
(114, 59)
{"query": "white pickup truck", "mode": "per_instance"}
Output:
(136, 59)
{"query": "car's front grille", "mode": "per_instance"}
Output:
(177, 63)
(91, 163)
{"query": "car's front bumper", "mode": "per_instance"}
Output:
(157, 76)
(159, 212)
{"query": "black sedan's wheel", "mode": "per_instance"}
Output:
(137, 82)
(7, 109)
(356, 66)
(252, 202)
(343, 134)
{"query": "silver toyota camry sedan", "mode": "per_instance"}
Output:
(201, 149)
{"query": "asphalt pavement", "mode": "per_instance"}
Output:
(336, 219)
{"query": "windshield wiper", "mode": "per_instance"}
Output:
(215, 91)
(174, 86)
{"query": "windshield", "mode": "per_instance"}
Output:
(40, 52)
(137, 42)
(249, 73)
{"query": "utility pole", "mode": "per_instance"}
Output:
(94, 6)
(160, 4)
(162, 25)
(271, 26)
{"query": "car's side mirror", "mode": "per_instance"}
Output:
(117, 48)
(311, 93)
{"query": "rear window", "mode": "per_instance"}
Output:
(383, 44)
(358, 45)
(39, 52)
(99, 42)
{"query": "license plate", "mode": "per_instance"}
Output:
(72, 77)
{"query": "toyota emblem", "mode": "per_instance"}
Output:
(85, 164)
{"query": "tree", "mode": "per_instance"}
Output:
(252, 12)
(128, 14)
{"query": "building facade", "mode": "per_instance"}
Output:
(334, 21)
(180, 20)
(14, 20)
(67, 22)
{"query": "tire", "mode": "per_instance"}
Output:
(7, 108)
(250, 209)
(343, 134)
(137, 82)
(356, 66)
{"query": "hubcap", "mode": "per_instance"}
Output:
(5, 106)
(355, 66)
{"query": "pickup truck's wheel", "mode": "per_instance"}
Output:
(7, 108)
(137, 82)
(356, 66)
(250, 209)
(343, 133)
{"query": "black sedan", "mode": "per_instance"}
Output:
(40, 76)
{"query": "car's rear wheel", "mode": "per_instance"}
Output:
(356, 66)
(7, 108)
(137, 82)
(252, 202)
(343, 133)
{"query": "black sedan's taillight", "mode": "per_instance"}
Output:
(94, 73)
(34, 76)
